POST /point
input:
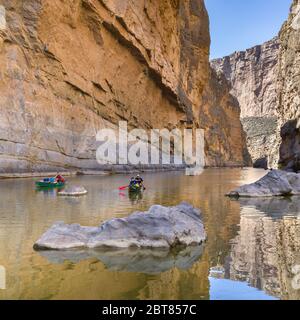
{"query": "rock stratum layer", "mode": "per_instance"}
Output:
(71, 68)
(252, 75)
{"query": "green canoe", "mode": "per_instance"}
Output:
(48, 184)
(136, 188)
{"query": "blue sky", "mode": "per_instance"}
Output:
(240, 24)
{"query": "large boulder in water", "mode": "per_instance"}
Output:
(160, 227)
(275, 183)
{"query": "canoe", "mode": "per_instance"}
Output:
(48, 184)
(136, 188)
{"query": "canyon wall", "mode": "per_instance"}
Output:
(252, 75)
(266, 81)
(70, 68)
(288, 108)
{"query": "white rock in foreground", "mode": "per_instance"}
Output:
(275, 183)
(160, 227)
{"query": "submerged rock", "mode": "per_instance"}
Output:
(73, 191)
(160, 227)
(150, 261)
(275, 183)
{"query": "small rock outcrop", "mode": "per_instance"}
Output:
(275, 183)
(160, 227)
(73, 191)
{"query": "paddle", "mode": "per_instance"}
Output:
(123, 188)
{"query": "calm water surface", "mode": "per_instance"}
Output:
(252, 251)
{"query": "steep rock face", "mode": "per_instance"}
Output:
(219, 115)
(252, 75)
(289, 152)
(289, 91)
(261, 135)
(71, 68)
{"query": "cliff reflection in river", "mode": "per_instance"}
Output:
(266, 252)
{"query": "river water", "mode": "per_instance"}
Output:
(252, 251)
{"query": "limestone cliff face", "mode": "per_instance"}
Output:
(71, 68)
(289, 91)
(261, 135)
(219, 115)
(252, 75)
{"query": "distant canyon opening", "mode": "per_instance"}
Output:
(265, 81)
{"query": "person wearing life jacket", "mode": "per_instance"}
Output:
(132, 181)
(59, 178)
(138, 179)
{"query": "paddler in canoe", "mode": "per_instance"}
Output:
(136, 184)
(59, 178)
(55, 182)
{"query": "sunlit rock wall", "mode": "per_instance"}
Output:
(71, 68)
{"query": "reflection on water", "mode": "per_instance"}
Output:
(266, 251)
(135, 197)
(25, 214)
(223, 289)
(132, 260)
